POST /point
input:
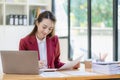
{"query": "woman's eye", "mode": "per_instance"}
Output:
(50, 29)
(44, 27)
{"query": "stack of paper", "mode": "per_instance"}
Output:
(106, 67)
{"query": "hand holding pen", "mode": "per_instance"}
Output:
(41, 64)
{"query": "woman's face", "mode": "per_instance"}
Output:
(44, 28)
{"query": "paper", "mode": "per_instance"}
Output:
(113, 62)
(52, 74)
(106, 67)
(66, 66)
(81, 73)
(71, 64)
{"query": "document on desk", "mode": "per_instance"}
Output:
(106, 67)
(52, 74)
(71, 64)
(81, 73)
(66, 66)
(108, 62)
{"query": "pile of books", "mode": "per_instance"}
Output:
(106, 67)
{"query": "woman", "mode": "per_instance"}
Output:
(43, 40)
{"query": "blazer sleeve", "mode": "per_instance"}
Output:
(57, 62)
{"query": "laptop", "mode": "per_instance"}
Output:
(20, 62)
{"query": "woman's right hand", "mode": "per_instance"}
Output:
(41, 64)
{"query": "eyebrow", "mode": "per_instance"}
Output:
(47, 25)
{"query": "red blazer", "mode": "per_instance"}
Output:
(53, 49)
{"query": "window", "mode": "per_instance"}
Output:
(91, 30)
(60, 9)
(102, 28)
(78, 28)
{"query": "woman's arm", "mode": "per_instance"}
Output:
(57, 62)
(22, 45)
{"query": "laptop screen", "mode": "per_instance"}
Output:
(20, 62)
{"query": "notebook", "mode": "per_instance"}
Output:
(20, 62)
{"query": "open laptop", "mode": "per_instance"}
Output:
(20, 62)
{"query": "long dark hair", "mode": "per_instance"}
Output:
(45, 14)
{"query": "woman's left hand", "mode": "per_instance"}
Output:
(77, 66)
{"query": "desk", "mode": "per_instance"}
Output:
(29, 77)
(68, 77)
(102, 77)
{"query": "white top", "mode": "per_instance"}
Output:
(43, 51)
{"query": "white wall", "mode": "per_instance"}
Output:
(10, 36)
